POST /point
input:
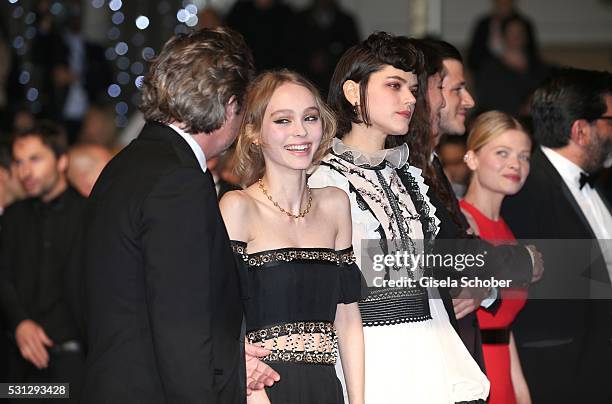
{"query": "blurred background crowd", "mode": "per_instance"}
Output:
(79, 63)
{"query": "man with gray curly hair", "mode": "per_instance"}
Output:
(163, 292)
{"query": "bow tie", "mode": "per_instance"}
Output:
(587, 179)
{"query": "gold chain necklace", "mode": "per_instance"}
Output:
(302, 213)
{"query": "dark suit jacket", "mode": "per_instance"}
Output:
(552, 318)
(163, 291)
(38, 280)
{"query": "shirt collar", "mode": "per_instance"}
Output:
(397, 157)
(568, 170)
(54, 204)
(197, 150)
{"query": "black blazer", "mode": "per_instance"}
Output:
(545, 209)
(164, 305)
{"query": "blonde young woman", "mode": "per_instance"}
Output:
(294, 243)
(498, 158)
(413, 353)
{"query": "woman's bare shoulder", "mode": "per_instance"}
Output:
(332, 197)
(236, 209)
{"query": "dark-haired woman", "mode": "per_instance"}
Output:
(413, 355)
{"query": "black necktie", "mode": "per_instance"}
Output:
(587, 179)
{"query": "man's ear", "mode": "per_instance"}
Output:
(62, 163)
(351, 92)
(580, 132)
(231, 107)
(471, 160)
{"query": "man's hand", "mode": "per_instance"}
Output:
(32, 342)
(538, 263)
(258, 374)
(468, 300)
(258, 397)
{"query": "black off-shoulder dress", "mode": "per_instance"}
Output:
(291, 299)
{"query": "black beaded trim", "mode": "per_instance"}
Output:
(298, 327)
(324, 358)
(258, 259)
(305, 331)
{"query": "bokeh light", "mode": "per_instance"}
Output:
(115, 5)
(114, 90)
(121, 48)
(148, 53)
(121, 108)
(24, 77)
(118, 18)
(142, 22)
(182, 15)
(32, 94)
(138, 82)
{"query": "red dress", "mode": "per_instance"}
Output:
(497, 356)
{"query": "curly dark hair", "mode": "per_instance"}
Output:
(358, 63)
(194, 77)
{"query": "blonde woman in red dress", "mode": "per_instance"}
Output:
(498, 158)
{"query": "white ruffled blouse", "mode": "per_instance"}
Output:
(410, 357)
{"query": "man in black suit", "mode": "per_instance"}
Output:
(563, 335)
(164, 296)
(38, 283)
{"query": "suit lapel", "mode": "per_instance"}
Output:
(542, 162)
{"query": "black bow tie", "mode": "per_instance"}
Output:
(587, 179)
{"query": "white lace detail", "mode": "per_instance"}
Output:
(396, 157)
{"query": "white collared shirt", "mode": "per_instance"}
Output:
(197, 150)
(589, 201)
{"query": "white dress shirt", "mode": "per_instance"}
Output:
(197, 150)
(589, 201)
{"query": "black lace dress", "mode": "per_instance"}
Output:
(292, 294)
